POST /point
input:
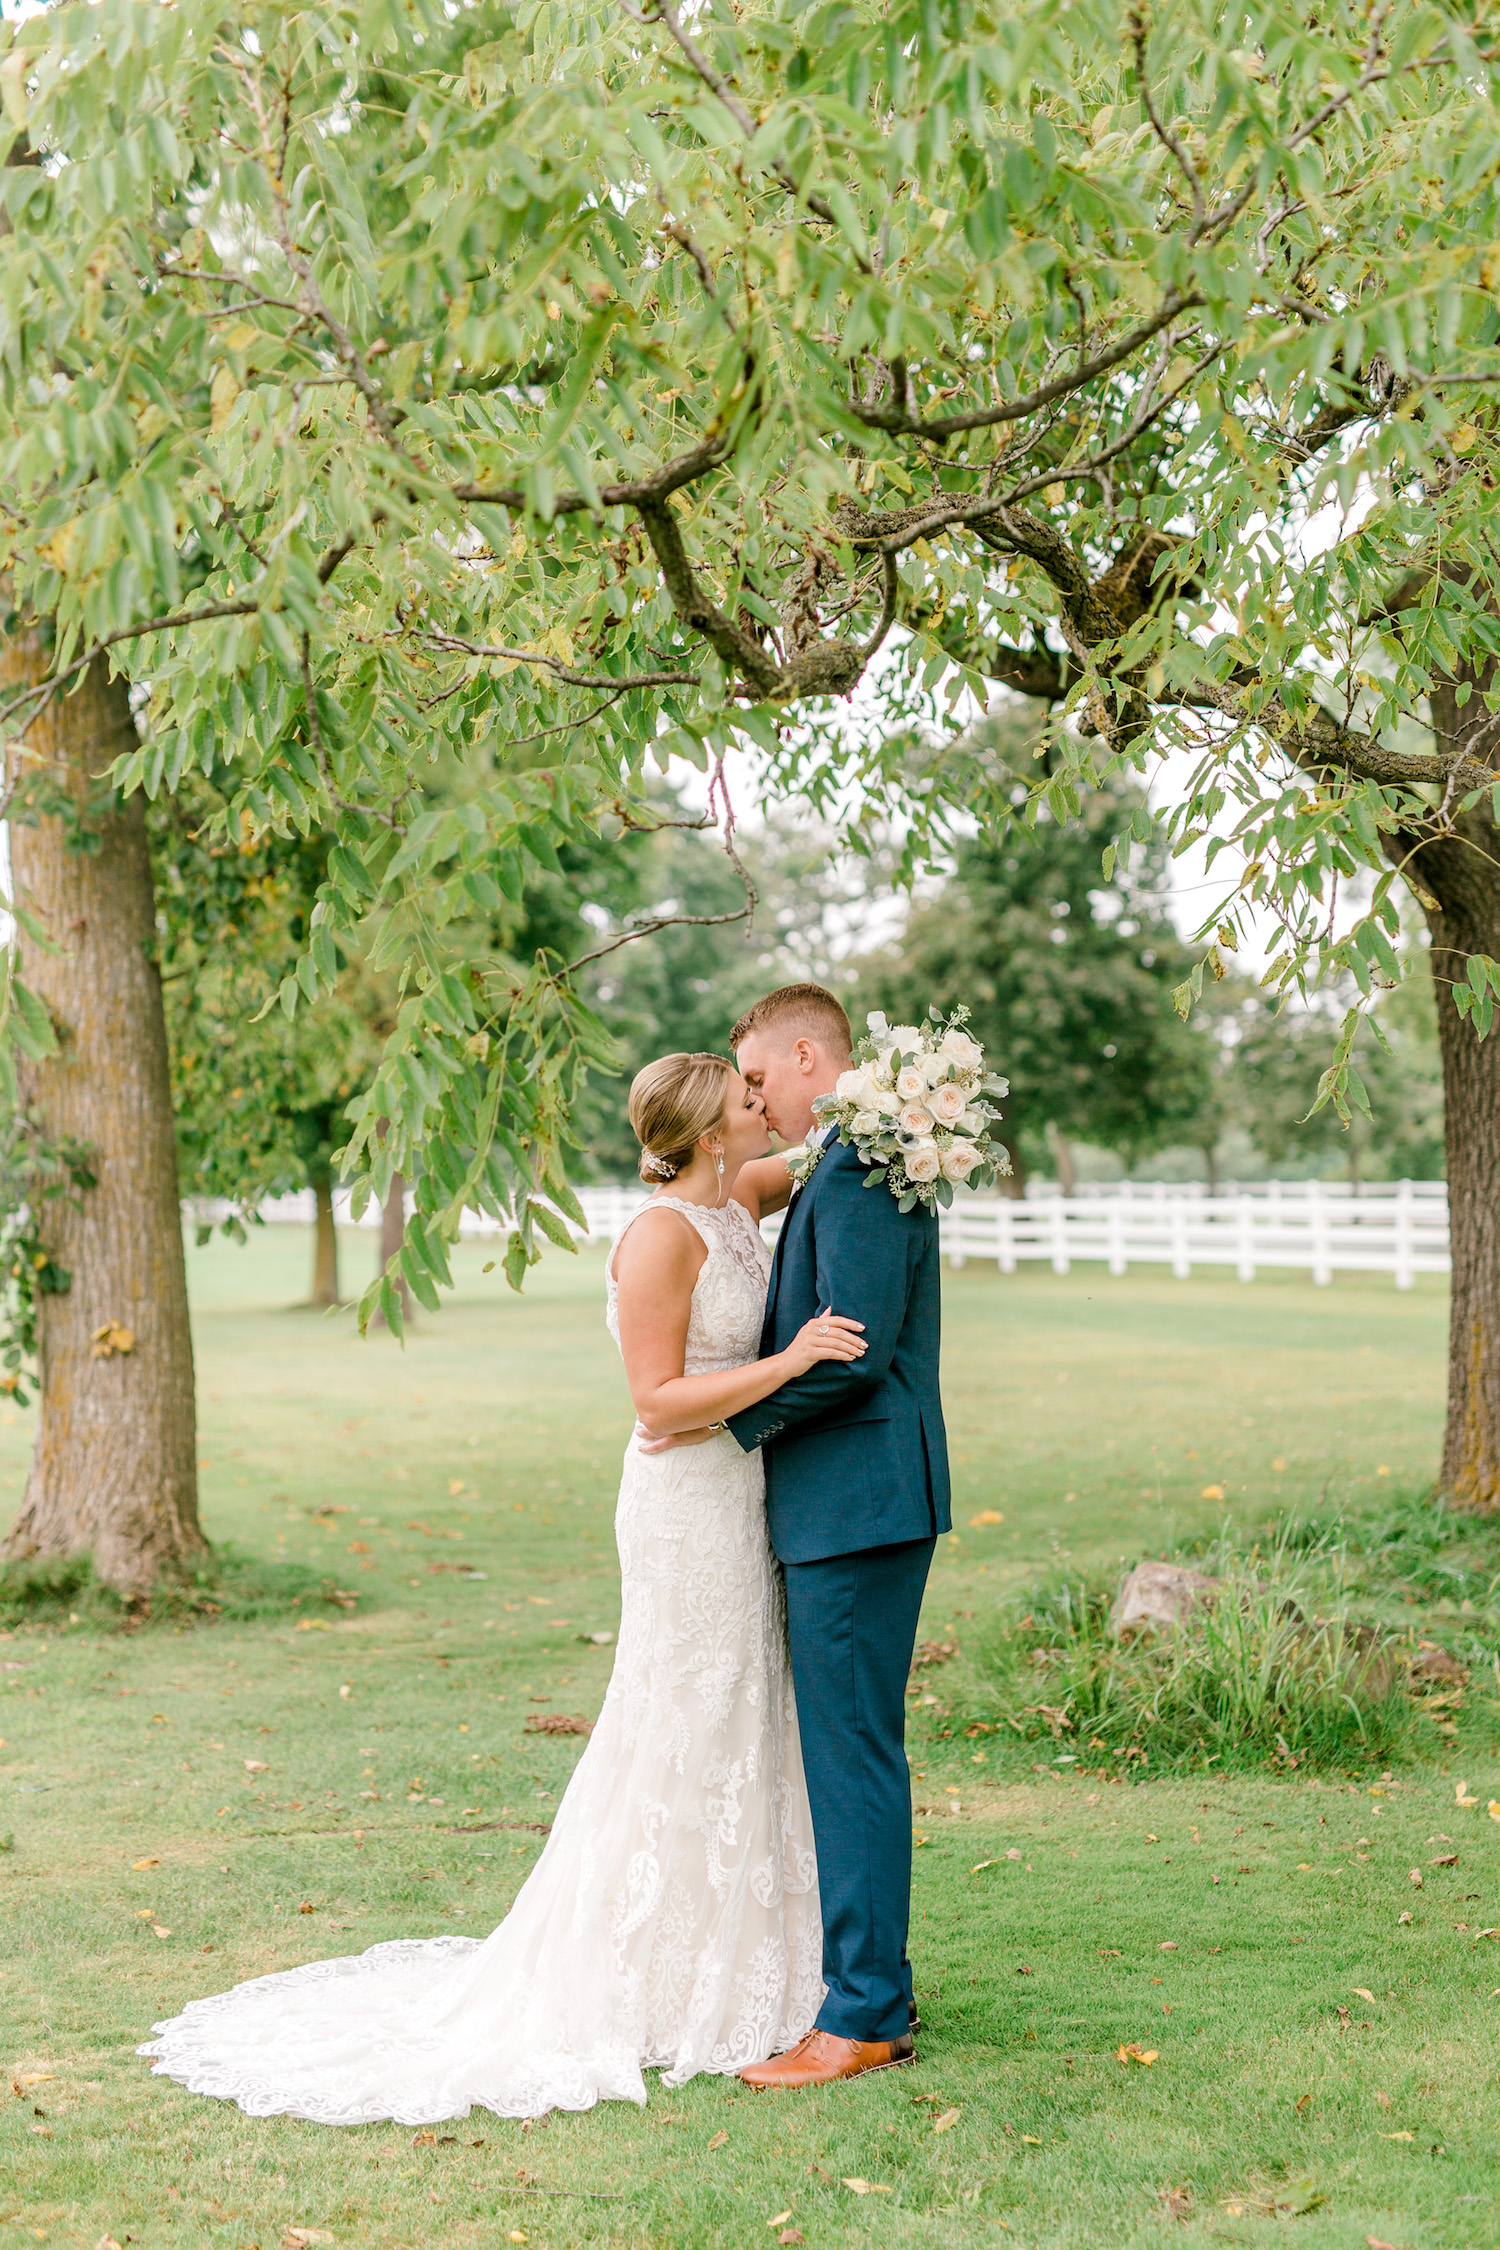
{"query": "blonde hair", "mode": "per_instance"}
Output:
(672, 1101)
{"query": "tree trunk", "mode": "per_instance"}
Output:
(325, 1282)
(114, 1466)
(1463, 877)
(1062, 1151)
(1211, 1164)
(392, 1235)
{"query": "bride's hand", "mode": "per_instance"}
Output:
(829, 1335)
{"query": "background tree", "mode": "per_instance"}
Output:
(602, 388)
(259, 1098)
(1070, 977)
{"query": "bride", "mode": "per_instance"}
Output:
(672, 1920)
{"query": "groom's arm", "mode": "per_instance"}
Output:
(866, 1249)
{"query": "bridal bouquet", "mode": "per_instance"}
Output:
(915, 1107)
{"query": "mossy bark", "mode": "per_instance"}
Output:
(113, 1471)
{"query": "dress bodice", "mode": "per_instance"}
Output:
(729, 1295)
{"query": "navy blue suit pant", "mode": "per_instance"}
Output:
(853, 1624)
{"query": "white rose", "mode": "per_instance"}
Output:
(959, 1048)
(911, 1084)
(947, 1104)
(933, 1067)
(865, 1122)
(852, 1085)
(959, 1161)
(904, 1038)
(972, 1121)
(885, 1099)
(916, 1118)
(875, 1021)
(922, 1164)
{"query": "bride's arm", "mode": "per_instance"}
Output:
(655, 1268)
(763, 1187)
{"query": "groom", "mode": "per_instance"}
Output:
(856, 1493)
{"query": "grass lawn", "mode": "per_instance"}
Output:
(193, 1806)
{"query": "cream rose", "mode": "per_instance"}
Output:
(973, 1121)
(911, 1083)
(902, 1038)
(922, 1164)
(933, 1067)
(915, 1117)
(864, 1122)
(959, 1048)
(947, 1103)
(853, 1085)
(959, 1161)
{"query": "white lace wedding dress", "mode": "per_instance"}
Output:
(672, 1919)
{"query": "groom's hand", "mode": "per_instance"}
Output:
(648, 1442)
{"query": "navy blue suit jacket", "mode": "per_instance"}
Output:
(856, 1454)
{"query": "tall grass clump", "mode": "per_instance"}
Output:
(1273, 1671)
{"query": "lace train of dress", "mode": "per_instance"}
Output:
(672, 1919)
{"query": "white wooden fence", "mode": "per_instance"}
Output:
(1398, 1227)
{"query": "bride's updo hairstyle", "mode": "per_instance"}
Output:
(672, 1101)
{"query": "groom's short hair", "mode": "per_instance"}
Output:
(798, 1011)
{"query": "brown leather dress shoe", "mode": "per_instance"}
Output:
(820, 2058)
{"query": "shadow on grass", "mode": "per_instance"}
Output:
(226, 1587)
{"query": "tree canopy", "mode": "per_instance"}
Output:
(544, 390)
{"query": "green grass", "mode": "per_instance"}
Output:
(1223, 1922)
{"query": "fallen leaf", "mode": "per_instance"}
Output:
(718, 2140)
(514, 2234)
(780, 2219)
(1013, 1853)
(1021, 1972)
(1445, 1859)
(1382, 2101)
(983, 1864)
(1133, 2053)
(106, 2242)
(1110, 1953)
(1361, 1993)
(1487, 1933)
(1494, 1808)
(159, 1931)
(1462, 1795)
(1416, 1877)
(307, 1907)
(1303, 2104)
(140, 1865)
(1212, 1492)
(256, 1765)
(1373, 2242)
(1177, 2202)
(949, 2118)
(867, 2187)
(1403, 1917)
(1401, 2136)
(795, 2234)
(313, 1625)
(297, 2238)
(345, 1692)
(1032, 2139)
(1168, 1945)
(557, 1722)
(985, 1515)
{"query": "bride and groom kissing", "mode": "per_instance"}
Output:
(723, 1889)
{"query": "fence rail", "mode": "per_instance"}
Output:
(1398, 1227)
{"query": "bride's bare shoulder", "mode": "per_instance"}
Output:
(763, 1187)
(660, 1247)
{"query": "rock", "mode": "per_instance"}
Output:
(1161, 1593)
(1368, 1662)
(1434, 1664)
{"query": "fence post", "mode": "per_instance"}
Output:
(1182, 1264)
(1404, 1235)
(1005, 1233)
(1116, 1236)
(1058, 1215)
(951, 1236)
(1318, 1213)
(1245, 1237)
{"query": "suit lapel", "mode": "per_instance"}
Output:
(798, 1197)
